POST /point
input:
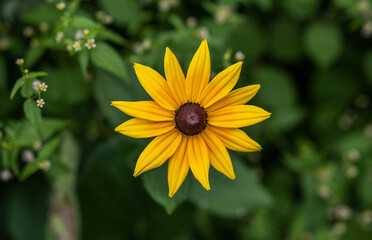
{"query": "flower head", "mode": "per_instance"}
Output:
(60, 36)
(90, 44)
(20, 61)
(40, 103)
(43, 87)
(77, 46)
(36, 84)
(193, 120)
(61, 6)
(69, 48)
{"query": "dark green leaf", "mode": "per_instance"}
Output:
(107, 58)
(49, 148)
(83, 57)
(33, 55)
(20, 82)
(231, 198)
(29, 169)
(323, 43)
(32, 112)
(83, 22)
(33, 75)
(123, 11)
(156, 184)
(27, 90)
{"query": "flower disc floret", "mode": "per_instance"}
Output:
(191, 119)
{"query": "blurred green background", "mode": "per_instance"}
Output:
(312, 181)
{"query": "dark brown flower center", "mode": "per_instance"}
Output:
(191, 119)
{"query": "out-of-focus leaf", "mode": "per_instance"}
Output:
(44, 13)
(29, 169)
(33, 75)
(19, 83)
(343, 3)
(107, 58)
(3, 74)
(367, 66)
(107, 88)
(249, 39)
(83, 22)
(285, 40)
(156, 184)
(66, 86)
(231, 198)
(32, 112)
(27, 90)
(277, 88)
(83, 57)
(111, 36)
(33, 55)
(26, 209)
(264, 5)
(49, 148)
(300, 9)
(28, 134)
(123, 11)
(323, 43)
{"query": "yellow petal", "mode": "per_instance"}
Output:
(149, 110)
(175, 77)
(237, 116)
(198, 73)
(197, 154)
(235, 139)
(221, 85)
(218, 155)
(178, 167)
(239, 96)
(158, 151)
(141, 128)
(156, 86)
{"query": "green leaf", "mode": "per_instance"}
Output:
(33, 75)
(20, 82)
(3, 74)
(323, 43)
(367, 66)
(107, 58)
(123, 11)
(300, 9)
(111, 36)
(156, 184)
(83, 57)
(32, 112)
(49, 148)
(29, 169)
(231, 198)
(83, 22)
(27, 89)
(28, 134)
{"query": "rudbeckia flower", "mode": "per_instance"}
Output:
(193, 120)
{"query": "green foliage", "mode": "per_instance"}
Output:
(66, 174)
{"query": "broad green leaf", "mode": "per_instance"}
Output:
(323, 43)
(156, 184)
(123, 11)
(32, 112)
(49, 148)
(19, 83)
(107, 58)
(231, 198)
(83, 57)
(27, 90)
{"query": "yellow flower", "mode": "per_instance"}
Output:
(193, 120)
